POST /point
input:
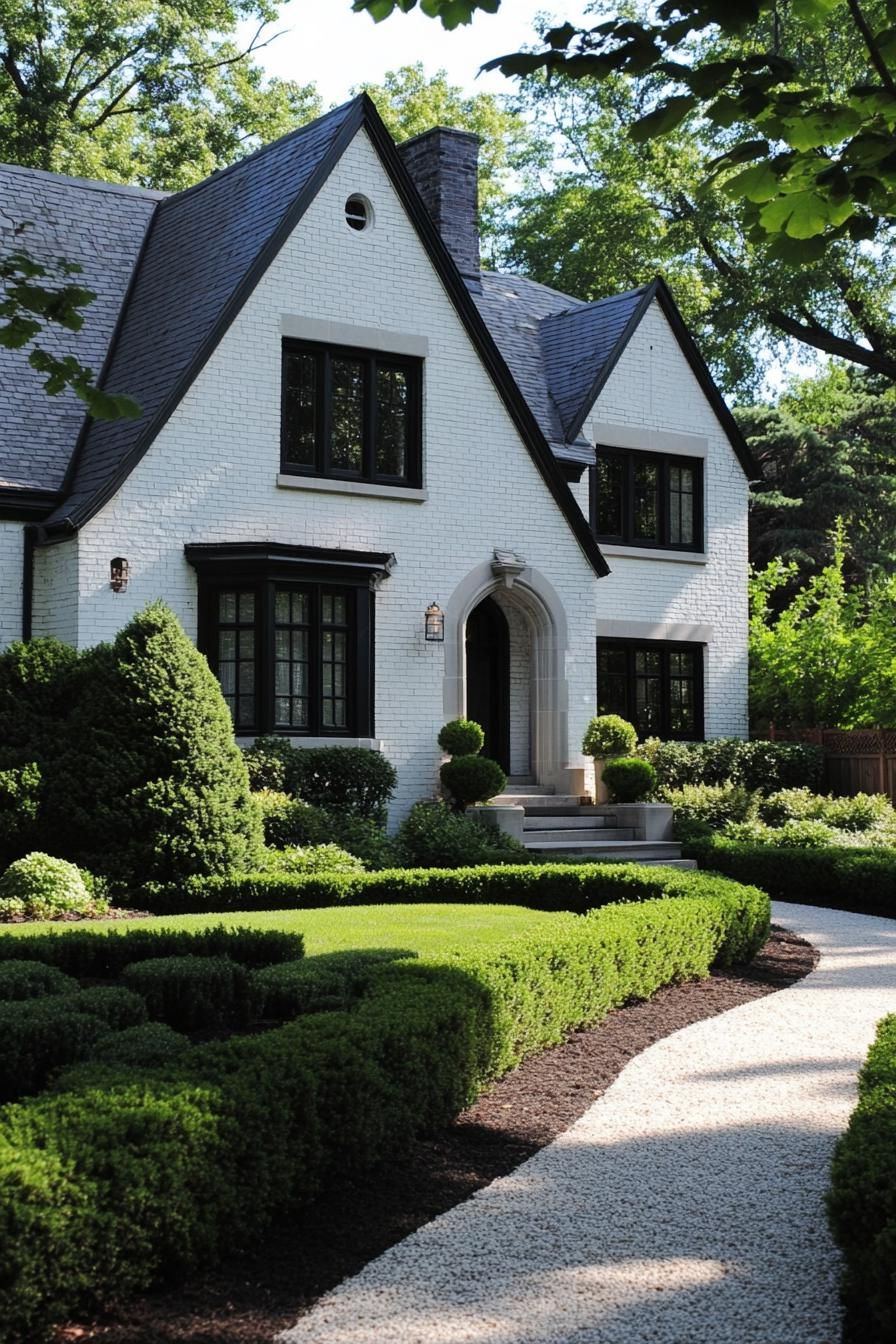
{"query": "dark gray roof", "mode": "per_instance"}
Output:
(100, 227)
(577, 347)
(202, 256)
(175, 270)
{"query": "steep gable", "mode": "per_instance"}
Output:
(100, 228)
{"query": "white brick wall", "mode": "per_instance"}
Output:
(654, 387)
(211, 477)
(11, 542)
(56, 600)
(211, 474)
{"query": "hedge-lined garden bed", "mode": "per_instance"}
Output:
(125, 1172)
(575, 887)
(862, 1199)
(847, 879)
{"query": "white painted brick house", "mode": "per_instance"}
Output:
(344, 421)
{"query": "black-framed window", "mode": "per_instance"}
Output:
(655, 684)
(647, 499)
(351, 414)
(289, 632)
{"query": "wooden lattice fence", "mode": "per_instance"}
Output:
(856, 760)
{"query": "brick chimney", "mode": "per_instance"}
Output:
(444, 164)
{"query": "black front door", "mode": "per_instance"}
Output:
(488, 678)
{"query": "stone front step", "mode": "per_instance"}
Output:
(562, 802)
(593, 835)
(583, 819)
(613, 851)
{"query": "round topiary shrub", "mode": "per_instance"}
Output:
(609, 735)
(33, 980)
(41, 887)
(313, 859)
(461, 737)
(145, 1046)
(472, 779)
(629, 779)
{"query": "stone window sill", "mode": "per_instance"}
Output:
(651, 553)
(323, 485)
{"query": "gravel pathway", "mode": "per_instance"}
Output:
(685, 1207)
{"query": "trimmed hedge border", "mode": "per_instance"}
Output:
(862, 1197)
(572, 887)
(102, 1188)
(846, 879)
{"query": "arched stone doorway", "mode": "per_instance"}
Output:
(488, 678)
(536, 680)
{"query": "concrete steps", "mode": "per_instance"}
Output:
(567, 828)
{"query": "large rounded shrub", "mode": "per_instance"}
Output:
(472, 779)
(609, 735)
(461, 737)
(152, 786)
(629, 779)
(41, 887)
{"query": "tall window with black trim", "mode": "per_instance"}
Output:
(647, 499)
(657, 686)
(288, 631)
(351, 414)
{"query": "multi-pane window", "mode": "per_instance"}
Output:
(643, 499)
(656, 686)
(353, 414)
(284, 655)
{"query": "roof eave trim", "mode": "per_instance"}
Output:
(26, 504)
(346, 133)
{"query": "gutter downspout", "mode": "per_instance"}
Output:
(29, 542)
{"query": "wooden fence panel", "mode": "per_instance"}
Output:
(856, 760)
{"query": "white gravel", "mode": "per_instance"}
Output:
(685, 1207)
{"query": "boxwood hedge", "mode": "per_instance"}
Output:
(577, 888)
(847, 879)
(862, 1198)
(104, 1187)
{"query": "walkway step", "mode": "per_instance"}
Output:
(596, 835)
(583, 819)
(563, 802)
(614, 851)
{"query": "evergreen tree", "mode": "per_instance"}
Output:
(151, 786)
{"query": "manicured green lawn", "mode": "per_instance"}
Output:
(414, 928)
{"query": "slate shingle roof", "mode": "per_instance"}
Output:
(578, 346)
(199, 253)
(177, 268)
(100, 227)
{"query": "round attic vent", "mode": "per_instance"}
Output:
(358, 213)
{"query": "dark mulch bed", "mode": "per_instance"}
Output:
(253, 1295)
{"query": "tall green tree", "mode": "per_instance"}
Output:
(138, 91)
(411, 102)
(794, 108)
(826, 451)
(829, 658)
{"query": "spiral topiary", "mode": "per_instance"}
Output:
(461, 737)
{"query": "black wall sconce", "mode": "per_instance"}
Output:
(118, 578)
(434, 623)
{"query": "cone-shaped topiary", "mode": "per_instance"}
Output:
(151, 786)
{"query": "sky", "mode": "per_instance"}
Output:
(324, 43)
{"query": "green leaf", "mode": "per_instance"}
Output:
(813, 130)
(663, 119)
(108, 406)
(814, 12)
(797, 251)
(758, 183)
(803, 214)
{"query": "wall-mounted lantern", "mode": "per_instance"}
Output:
(118, 574)
(434, 623)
